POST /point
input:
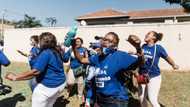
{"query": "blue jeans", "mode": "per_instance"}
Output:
(110, 102)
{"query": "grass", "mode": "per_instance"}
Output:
(175, 90)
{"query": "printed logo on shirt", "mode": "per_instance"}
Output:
(81, 53)
(102, 77)
(147, 55)
(100, 84)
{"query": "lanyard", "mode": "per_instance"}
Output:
(155, 49)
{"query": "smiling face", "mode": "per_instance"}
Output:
(47, 40)
(109, 41)
(150, 38)
(33, 42)
(78, 42)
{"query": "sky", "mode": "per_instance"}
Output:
(66, 11)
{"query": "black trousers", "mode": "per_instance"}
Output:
(103, 101)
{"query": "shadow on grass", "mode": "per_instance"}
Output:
(73, 90)
(134, 102)
(61, 102)
(12, 101)
(161, 105)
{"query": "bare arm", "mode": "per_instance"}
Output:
(86, 54)
(172, 63)
(140, 55)
(23, 76)
(22, 53)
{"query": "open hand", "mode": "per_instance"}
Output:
(10, 76)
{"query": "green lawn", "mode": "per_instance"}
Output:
(175, 90)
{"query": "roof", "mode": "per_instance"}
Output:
(157, 13)
(138, 14)
(107, 13)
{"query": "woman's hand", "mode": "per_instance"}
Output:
(175, 67)
(10, 76)
(134, 41)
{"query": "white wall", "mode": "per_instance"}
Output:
(178, 50)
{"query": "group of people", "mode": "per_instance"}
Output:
(97, 71)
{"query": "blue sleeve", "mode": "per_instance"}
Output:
(3, 59)
(42, 61)
(162, 52)
(66, 56)
(126, 60)
(89, 90)
(94, 59)
(84, 49)
(34, 52)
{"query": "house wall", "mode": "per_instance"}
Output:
(176, 39)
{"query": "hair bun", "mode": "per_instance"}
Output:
(159, 36)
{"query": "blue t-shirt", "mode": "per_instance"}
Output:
(107, 80)
(33, 54)
(149, 51)
(51, 69)
(3, 60)
(74, 63)
(90, 88)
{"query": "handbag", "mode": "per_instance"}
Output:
(79, 71)
(144, 78)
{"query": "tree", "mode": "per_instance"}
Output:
(184, 3)
(51, 21)
(28, 22)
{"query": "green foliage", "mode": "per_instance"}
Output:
(184, 3)
(28, 22)
(51, 21)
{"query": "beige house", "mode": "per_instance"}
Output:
(110, 17)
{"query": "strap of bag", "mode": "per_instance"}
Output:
(155, 50)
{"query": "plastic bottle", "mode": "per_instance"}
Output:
(70, 36)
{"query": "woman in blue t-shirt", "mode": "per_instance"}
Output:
(110, 64)
(76, 73)
(48, 70)
(3, 61)
(34, 39)
(152, 53)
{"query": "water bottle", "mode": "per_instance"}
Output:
(70, 36)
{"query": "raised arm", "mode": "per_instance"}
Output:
(172, 63)
(136, 43)
(22, 53)
(82, 59)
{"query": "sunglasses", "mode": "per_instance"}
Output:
(107, 40)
